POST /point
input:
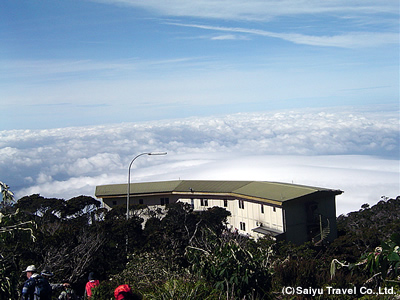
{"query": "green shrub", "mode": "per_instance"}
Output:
(183, 289)
(231, 267)
(105, 291)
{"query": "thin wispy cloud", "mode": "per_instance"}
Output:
(257, 10)
(130, 60)
(31, 69)
(228, 37)
(348, 40)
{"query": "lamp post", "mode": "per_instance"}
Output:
(129, 177)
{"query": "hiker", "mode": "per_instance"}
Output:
(92, 283)
(123, 292)
(67, 294)
(36, 287)
(47, 274)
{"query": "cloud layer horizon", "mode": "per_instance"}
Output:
(351, 149)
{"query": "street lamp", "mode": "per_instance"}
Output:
(129, 177)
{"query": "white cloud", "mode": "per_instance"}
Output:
(352, 150)
(228, 37)
(260, 10)
(99, 162)
(43, 178)
(348, 40)
(68, 68)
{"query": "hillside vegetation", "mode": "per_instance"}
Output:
(183, 254)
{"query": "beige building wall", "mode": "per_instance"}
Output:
(147, 200)
(245, 215)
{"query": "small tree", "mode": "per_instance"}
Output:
(383, 263)
(13, 233)
(6, 195)
(229, 266)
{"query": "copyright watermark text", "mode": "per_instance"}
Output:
(328, 290)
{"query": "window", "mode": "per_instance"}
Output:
(225, 203)
(243, 226)
(204, 202)
(274, 209)
(140, 201)
(192, 203)
(262, 208)
(164, 201)
(241, 204)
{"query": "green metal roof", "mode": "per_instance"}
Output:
(136, 188)
(248, 189)
(276, 191)
(210, 186)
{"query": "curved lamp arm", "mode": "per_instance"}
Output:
(129, 177)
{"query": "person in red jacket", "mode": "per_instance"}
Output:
(92, 283)
(123, 292)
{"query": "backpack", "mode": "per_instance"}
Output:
(42, 289)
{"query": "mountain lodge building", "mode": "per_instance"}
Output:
(296, 213)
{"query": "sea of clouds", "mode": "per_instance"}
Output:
(354, 150)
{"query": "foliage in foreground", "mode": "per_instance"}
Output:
(383, 264)
(185, 254)
(232, 266)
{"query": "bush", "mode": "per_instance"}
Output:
(231, 267)
(105, 291)
(184, 290)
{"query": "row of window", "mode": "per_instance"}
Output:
(241, 206)
(163, 201)
(242, 225)
(203, 202)
(262, 208)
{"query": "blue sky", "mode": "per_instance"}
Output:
(77, 63)
(292, 91)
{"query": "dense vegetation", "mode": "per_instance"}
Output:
(182, 254)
